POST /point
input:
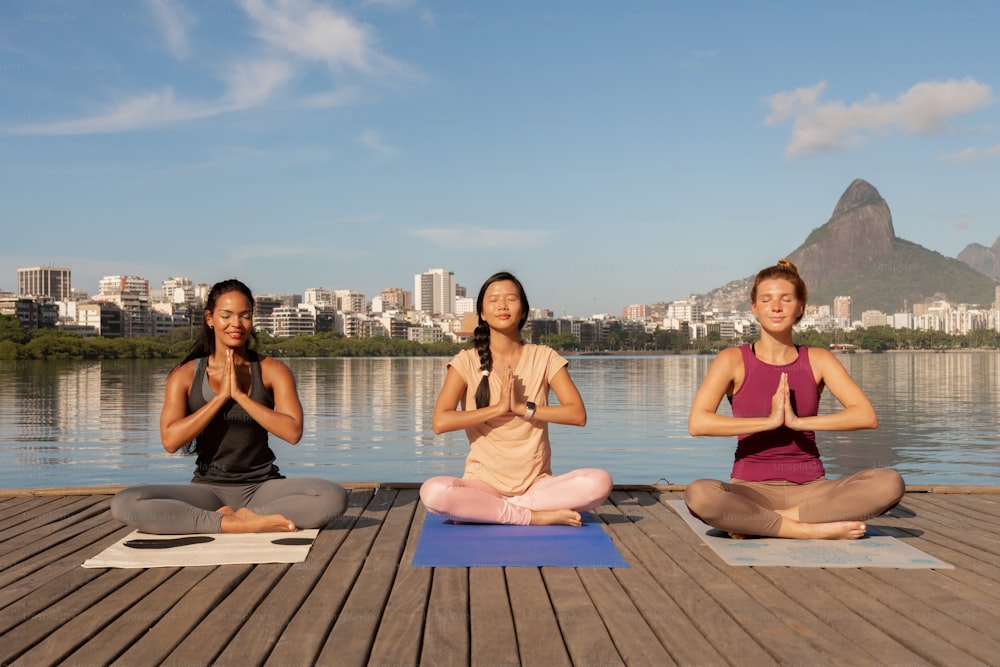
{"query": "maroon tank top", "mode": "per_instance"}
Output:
(781, 454)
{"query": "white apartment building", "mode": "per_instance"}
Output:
(109, 285)
(434, 292)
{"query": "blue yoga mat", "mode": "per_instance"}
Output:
(446, 544)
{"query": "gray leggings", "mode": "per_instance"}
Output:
(176, 509)
(748, 507)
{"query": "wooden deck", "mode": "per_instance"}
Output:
(356, 600)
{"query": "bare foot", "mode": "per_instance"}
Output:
(244, 520)
(834, 530)
(738, 536)
(831, 530)
(226, 510)
(556, 518)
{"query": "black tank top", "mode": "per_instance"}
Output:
(233, 447)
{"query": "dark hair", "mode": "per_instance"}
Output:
(481, 337)
(204, 344)
(783, 270)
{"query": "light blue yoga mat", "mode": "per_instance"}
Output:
(446, 544)
(873, 550)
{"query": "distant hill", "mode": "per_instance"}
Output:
(983, 259)
(857, 253)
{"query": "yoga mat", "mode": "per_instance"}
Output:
(137, 549)
(446, 544)
(873, 550)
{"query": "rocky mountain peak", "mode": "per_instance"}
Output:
(859, 232)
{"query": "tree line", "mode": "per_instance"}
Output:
(16, 343)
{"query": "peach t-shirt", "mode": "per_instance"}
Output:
(509, 453)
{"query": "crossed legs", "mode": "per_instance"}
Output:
(550, 500)
(822, 509)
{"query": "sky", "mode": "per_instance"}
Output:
(608, 153)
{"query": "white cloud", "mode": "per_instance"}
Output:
(831, 126)
(249, 84)
(301, 32)
(320, 33)
(174, 20)
(372, 139)
(457, 238)
(972, 154)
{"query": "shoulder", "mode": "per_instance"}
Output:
(184, 372)
(731, 356)
(269, 366)
(821, 359)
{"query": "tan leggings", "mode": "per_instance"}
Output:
(748, 507)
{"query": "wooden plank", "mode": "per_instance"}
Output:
(135, 622)
(42, 595)
(82, 615)
(680, 567)
(941, 620)
(491, 622)
(351, 638)
(539, 639)
(665, 618)
(851, 626)
(55, 562)
(633, 639)
(175, 627)
(256, 638)
(786, 630)
(305, 635)
(56, 525)
(446, 633)
(33, 513)
(205, 642)
(583, 630)
(400, 632)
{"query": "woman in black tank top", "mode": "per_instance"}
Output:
(222, 402)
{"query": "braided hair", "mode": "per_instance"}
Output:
(481, 335)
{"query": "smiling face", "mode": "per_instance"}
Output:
(502, 306)
(777, 307)
(232, 319)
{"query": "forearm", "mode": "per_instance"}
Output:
(288, 427)
(182, 431)
(570, 415)
(445, 421)
(849, 419)
(714, 424)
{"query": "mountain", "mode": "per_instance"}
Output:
(983, 259)
(857, 253)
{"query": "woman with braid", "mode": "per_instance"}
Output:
(778, 486)
(502, 388)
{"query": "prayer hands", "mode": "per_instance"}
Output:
(782, 412)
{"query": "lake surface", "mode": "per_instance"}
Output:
(87, 423)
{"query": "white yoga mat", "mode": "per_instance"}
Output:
(869, 551)
(216, 549)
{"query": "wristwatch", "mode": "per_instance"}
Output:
(529, 410)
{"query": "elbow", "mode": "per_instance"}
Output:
(694, 429)
(437, 426)
(873, 422)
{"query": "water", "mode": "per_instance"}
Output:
(89, 423)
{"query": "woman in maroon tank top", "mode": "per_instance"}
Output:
(778, 487)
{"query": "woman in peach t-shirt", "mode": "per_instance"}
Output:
(502, 388)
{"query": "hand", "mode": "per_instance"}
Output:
(779, 402)
(506, 403)
(227, 378)
(235, 390)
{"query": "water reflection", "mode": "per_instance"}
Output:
(70, 423)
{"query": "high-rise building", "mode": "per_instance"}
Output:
(842, 308)
(109, 285)
(434, 292)
(44, 281)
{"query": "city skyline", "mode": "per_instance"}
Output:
(615, 155)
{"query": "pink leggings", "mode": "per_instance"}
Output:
(748, 507)
(473, 501)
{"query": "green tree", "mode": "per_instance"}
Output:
(12, 330)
